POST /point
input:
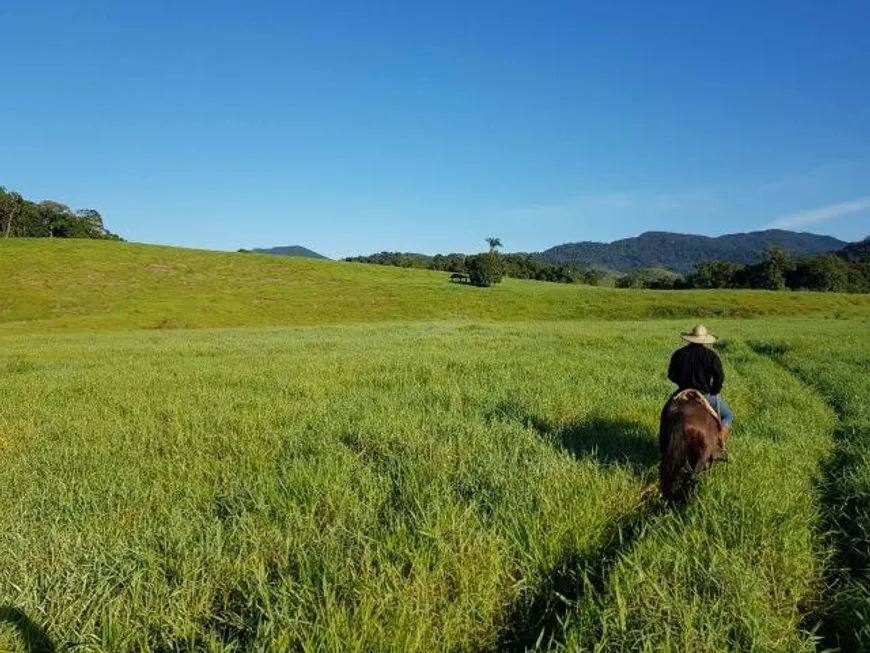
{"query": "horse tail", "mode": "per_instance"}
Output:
(675, 452)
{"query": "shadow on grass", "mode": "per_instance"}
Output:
(841, 617)
(608, 441)
(577, 578)
(33, 636)
(581, 576)
(605, 440)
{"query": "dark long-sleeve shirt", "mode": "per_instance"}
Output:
(696, 366)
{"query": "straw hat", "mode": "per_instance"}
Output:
(699, 335)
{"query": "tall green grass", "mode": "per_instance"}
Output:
(734, 569)
(440, 486)
(835, 360)
(61, 285)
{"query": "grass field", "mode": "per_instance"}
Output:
(95, 285)
(837, 364)
(454, 482)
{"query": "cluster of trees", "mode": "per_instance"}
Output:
(780, 271)
(518, 266)
(845, 271)
(525, 266)
(444, 263)
(486, 269)
(21, 218)
(656, 278)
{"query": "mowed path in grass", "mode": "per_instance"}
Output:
(413, 487)
(834, 359)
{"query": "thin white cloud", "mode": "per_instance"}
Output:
(612, 201)
(804, 218)
(608, 204)
(806, 179)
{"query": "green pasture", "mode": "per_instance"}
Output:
(373, 459)
(98, 285)
(403, 487)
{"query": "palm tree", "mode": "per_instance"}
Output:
(493, 244)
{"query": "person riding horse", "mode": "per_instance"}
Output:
(697, 367)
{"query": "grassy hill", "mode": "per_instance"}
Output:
(100, 285)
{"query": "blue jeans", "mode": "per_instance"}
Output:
(724, 410)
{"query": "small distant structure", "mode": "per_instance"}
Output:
(461, 278)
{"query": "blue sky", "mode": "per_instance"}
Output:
(354, 127)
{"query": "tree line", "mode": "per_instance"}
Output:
(517, 266)
(846, 271)
(21, 218)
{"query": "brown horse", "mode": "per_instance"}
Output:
(688, 433)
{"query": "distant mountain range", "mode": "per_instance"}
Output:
(290, 250)
(681, 252)
(855, 251)
(671, 251)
